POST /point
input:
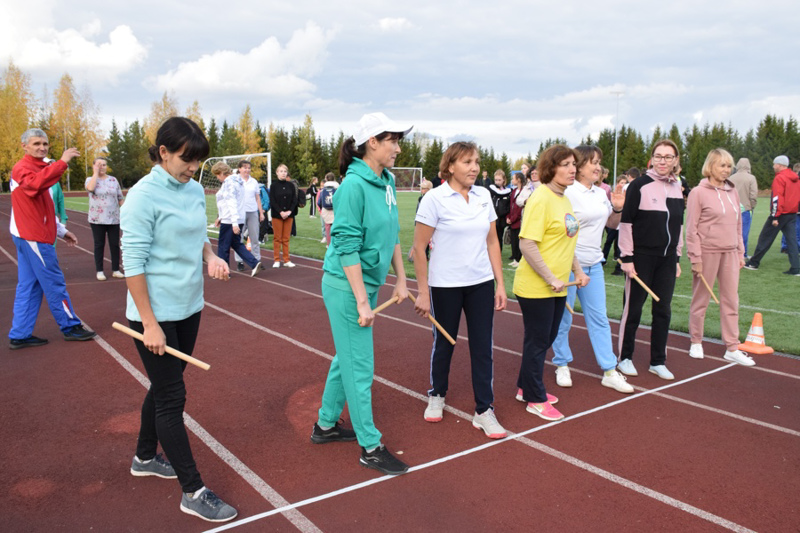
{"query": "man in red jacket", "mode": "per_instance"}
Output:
(34, 228)
(783, 216)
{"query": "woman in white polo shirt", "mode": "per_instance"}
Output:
(593, 211)
(465, 274)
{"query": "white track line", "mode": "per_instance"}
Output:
(662, 498)
(251, 478)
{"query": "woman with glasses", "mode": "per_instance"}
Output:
(650, 242)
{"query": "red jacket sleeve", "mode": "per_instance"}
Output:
(32, 181)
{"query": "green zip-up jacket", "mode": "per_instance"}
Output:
(365, 227)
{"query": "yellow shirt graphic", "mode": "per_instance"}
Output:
(549, 221)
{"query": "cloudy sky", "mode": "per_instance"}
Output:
(506, 74)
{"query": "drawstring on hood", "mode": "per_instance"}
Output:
(390, 199)
(727, 186)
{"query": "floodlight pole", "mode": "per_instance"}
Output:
(616, 135)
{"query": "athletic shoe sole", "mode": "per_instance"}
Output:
(367, 464)
(198, 515)
(138, 473)
(490, 435)
(427, 419)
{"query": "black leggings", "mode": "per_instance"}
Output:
(541, 318)
(99, 232)
(162, 410)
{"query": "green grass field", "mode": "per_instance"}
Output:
(767, 290)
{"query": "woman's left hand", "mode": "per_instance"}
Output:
(217, 269)
(741, 262)
(582, 279)
(678, 270)
(500, 299)
(285, 214)
(618, 197)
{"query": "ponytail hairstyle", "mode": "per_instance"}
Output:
(349, 149)
(178, 133)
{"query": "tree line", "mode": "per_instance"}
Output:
(70, 118)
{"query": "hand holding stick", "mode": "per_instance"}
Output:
(383, 306)
(703, 279)
(645, 287)
(172, 351)
(435, 323)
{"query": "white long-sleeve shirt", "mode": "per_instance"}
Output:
(230, 200)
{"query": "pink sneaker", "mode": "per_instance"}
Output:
(544, 410)
(552, 400)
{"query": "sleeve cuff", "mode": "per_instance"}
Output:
(350, 259)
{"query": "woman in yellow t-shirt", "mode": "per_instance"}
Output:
(547, 241)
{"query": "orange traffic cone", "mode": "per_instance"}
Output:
(755, 342)
(250, 247)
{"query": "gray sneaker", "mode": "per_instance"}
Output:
(158, 466)
(208, 506)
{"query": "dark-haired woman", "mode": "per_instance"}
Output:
(650, 243)
(164, 237)
(594, 210)
(547, 241)
(364, 244)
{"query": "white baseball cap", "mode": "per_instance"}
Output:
(373, 124)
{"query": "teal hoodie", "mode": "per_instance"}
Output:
(365, 227)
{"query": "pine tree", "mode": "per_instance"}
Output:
(433, 156)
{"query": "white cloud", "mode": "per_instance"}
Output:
(268, 70)
(50, 52)
(394, 24)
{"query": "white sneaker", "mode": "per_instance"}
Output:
(117, 274)
(323, 240)
(435, 409)
(489, 424)
(289, 264)
(615, 380)
(626, 367)
(696, 351)
(738, 356)
(101, 276)
(514, 263)
(276, 264)
(256, 270)
(563, 377)
(662, 372)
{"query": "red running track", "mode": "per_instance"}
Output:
(716, 449)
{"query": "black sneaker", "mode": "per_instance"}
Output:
(27, 342)
(750, 266)
(792, 273)
(78, 333)
(240, 267)
(335, 434)
(381, 460)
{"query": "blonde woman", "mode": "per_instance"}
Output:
(716, 250)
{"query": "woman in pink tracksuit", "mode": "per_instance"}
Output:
(716, 250)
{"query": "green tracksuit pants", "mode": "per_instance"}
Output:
(352, 369)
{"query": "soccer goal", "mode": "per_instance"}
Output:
(407, 178)
(260, 169)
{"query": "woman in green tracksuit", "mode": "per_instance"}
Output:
(364, 243)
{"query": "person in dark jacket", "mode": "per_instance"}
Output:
(514, 219)
(650, 243)
(284, 201)
(501, 200)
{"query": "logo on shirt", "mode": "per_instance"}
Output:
(571, 224)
